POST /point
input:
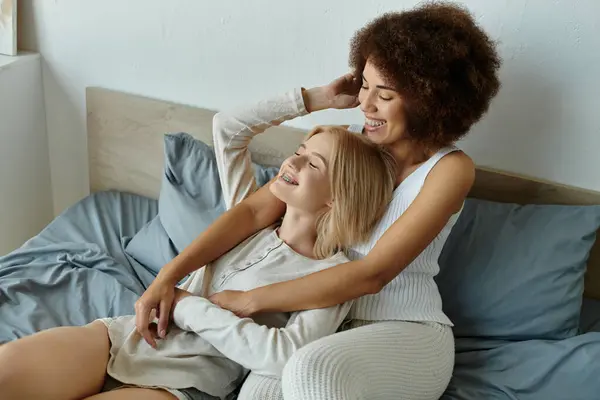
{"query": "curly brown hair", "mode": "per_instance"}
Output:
(441, 62)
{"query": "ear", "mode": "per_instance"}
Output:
(330, 203)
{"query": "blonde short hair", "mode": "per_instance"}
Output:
(362, 176)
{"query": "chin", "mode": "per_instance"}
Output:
(279, 192)
(377, 136)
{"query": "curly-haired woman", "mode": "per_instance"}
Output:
(422, 78)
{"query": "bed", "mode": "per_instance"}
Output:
(79, 267)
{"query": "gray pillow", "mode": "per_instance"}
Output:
(517, 272)
(190, 200)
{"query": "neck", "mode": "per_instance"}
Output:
(298, 230)
(409, 154)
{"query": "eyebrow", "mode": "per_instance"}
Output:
(380, 86)
(316, 154)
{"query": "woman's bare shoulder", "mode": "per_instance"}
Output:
(458, 165)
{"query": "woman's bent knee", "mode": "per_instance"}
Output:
(320, 370)
(397, 359)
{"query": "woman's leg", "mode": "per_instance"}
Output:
(61, 363)
(134, 394)
(259, 387)
(383, 361)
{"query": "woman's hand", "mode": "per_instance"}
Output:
(343, 91)
(159, 296)
(340, 93)
(236, 301)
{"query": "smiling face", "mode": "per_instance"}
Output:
(304, 180)
(382, 106)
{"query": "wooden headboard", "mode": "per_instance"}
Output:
(125, 144)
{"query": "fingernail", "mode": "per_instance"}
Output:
(163, 333)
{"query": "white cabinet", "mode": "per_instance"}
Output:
(25, 188)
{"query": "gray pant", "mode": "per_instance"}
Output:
(181, 394)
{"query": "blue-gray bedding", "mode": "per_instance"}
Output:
(565, 369)
(511, 277)
(76, 269)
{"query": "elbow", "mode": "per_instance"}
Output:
(273, 367)
(275, 370)
(374, 285)
(273, 360)
(224, 127)
(375, 278)
(218, 122)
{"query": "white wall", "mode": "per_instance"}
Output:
(545, 122)
(25, 190)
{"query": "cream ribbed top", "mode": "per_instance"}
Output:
(413, 295)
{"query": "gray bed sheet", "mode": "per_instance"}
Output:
(76, 270)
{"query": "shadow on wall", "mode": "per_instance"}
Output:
(27, 37)
(67, 138)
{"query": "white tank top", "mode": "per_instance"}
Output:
(413, 295)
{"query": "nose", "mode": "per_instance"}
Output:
(296, 163)
(367, 102)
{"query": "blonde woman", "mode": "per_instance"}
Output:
(207, 351)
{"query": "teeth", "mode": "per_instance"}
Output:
(288, 179)
(374, 123)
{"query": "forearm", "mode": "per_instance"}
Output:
(255, 347)
(260, 348)
(234, 130)
(336, 285)
(316, 99)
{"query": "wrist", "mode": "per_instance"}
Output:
(255, 302)
(316, 99)
(168, 275)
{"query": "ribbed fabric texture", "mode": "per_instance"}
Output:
(260, 387)
(391, 360)
(383, 361)
(413, 295)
